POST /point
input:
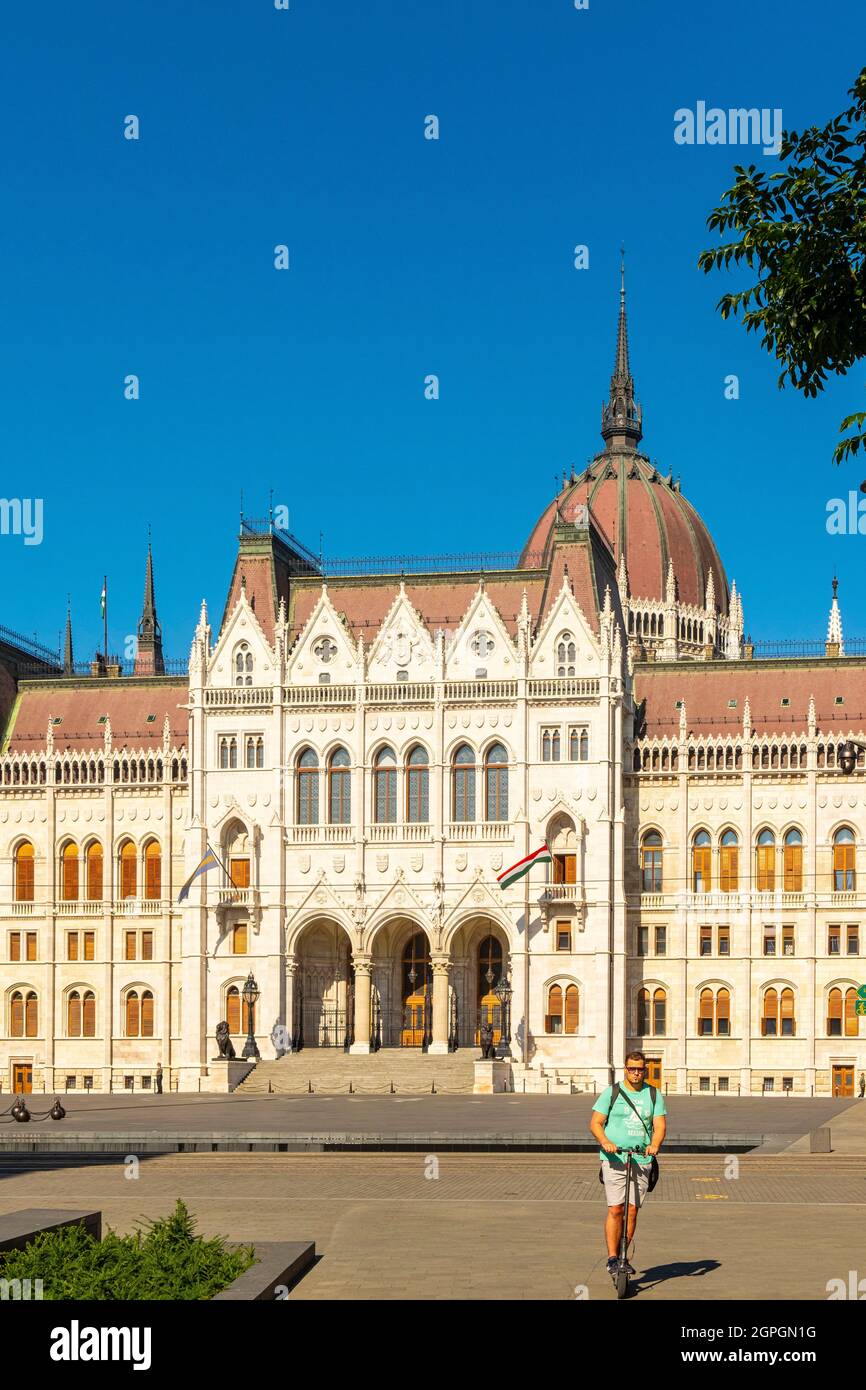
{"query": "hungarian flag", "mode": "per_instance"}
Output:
(102, 598)
(509, 876)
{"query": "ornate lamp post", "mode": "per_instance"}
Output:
(250, 994)
(503, 992)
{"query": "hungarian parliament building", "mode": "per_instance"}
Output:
(367, 754)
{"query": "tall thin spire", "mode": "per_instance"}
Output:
(148, 658)
(68, 659)
(835, 644)
(621, 417)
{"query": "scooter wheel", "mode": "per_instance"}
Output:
(621, 1283)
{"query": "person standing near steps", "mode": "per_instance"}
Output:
(636, 1118)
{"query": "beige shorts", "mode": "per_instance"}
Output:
(613, 1172)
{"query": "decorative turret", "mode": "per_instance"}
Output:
(621, 418)
(148, 656)
(834, 646)
(68, 659)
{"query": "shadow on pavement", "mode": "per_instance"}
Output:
(663, 1274)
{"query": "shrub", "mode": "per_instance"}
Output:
(165, 1259)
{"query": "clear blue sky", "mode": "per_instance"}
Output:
(408, 257)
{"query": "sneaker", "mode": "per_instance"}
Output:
(629, 1269)
(612, 1264)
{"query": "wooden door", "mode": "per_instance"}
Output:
(843, 1081)
(654, 1072)
(565, 868)
(22, 1078)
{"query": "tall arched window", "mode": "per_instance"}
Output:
(729, 862)
(152, 870)
(651, 862)
(723, 1013)
(660, 1012)
(251, 752)
(385, 787)
(553, 1021)
(81, 1014)
(339, 788)
(308, 788)
(714, 1013)
(94, 871)
(233, 1009)
(24, 872)
(224, 753)
(584, 745)
(24, 1014)
(496, 783)
(793, 862)
(69, 873)
(128, 874)
(837, 1009)
(705, 1013)
(844, 877)
(765, 862)
(572, 1008)
(770, 1014)
(702, 876)
(418, 786)
(565, 655)
(138, 1014)
(233, 753)
(643, 1012)
(463, 784)
(786, 1009)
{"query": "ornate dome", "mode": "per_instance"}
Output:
(644, 515)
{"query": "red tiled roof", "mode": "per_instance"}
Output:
(707, 688)
(126, 701)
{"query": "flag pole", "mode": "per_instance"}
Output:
(105, 619)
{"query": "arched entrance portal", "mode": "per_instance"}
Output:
(416, 992)
(324, 990)
(488, 973)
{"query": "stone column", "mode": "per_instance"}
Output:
(292, 967)
(363, 980)
(441, 975)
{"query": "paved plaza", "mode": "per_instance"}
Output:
(479, 1226)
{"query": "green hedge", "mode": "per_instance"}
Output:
(164, 1259)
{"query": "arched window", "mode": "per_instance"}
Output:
(224, 753)
(233, 753)
(260, 752)
(243, 665)
(765, 863)
(643, 1012)
(844, 877)
(24, 875)
(786, 1002)
(835, 1011)
(572, 1009)
(701, 863)
(251, 752)
(88, 1019)
(574, 745)
(138, 1014)
(584, 745)
(660, 1011)
(94, 871)
(723, 1013)
(852, 1022)
(793, 862)
(553, 1021)
(238, 857)
(152, 870)
(385, 787)
(554, 753)
(496, 783)
(418, 786)
(463, 784)
(705, 1013)
(651, 862)
(339, 788)
(69, 873)
(565, 655)
(545, 746)
(73, 1014)
(770, 1014)
(236, 1006)
(308, 788)
(128, 875)
(729, 862)
(24, 1014)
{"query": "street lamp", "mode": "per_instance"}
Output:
(848, 755)
(250, 994)
(503, 992)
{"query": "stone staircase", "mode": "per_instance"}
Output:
(391, 1070)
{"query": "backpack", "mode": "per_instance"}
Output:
(618, 1091)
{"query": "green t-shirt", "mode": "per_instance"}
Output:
(623, 1127)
